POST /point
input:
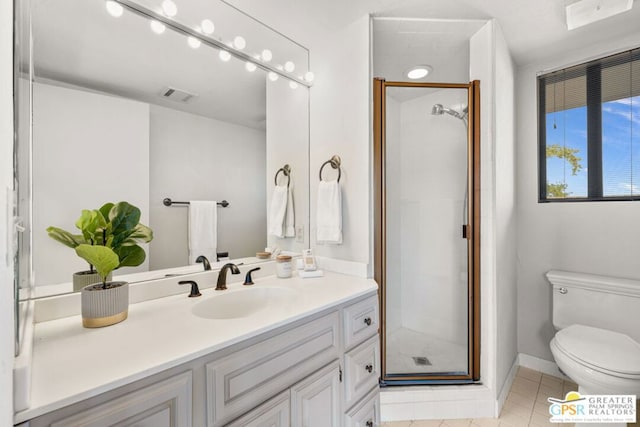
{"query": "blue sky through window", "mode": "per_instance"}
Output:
(620, 148)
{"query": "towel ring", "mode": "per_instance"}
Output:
(286, 170)
(335, 163)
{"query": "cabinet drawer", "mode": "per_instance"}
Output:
(361, 370)
(167, 403)
(360, 321)
(272, 413)
(240, 381)
(315, 401)
(366, 413)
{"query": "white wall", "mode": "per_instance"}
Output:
(88, 149)
(505, 210)
(6, 186)
(592, 237)
(492, 65)
(288, 143)
(197, 158)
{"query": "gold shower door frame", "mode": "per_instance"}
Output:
(473, 228)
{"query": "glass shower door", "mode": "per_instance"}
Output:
(427, 171)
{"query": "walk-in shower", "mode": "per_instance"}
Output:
(427, 254)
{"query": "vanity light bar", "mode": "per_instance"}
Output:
(218, 44)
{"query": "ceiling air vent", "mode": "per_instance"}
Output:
(177, 95)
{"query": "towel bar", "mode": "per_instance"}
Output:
(169, 202)
(334, 161)
(286, 170)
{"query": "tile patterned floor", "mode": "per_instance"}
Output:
(526, 405)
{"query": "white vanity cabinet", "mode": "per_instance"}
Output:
(317, 370)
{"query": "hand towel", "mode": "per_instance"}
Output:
(329, 212)
(277, 210)
(289, 221)
(203, 230)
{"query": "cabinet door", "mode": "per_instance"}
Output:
(366, 413)
(272, 413)
(315, 401)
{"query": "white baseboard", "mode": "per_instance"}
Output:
(506, 387)
(541, 365)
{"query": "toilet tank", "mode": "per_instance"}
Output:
(598, 301)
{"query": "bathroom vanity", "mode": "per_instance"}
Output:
(287, 351)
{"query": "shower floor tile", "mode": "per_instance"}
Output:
(405, 346)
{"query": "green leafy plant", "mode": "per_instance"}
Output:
(115, 227)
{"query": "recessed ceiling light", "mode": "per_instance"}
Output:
(419, 72)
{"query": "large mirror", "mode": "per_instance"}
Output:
(125, 108)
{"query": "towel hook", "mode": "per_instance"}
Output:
(335, 162)
(286, 170)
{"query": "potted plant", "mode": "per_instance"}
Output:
(109, 240)
(115, 226)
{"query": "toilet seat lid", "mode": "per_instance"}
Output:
(601, 348)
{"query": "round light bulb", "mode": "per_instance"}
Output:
(169, 8)
(309, 76)
(224, 55)
(293, 85)
(273, 76)
(157, 27)
(114, 9)
(207, 26)
(250, 66)
(239, 42)
(193, 42)
(267, 55)
(289, 66)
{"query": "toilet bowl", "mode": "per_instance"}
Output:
(597, 343)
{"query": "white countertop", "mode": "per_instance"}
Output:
(72, 363)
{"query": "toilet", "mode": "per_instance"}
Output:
(597, 343)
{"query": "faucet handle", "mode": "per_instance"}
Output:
(247, 278)
(195, 292)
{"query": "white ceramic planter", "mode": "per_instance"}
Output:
(104, 307)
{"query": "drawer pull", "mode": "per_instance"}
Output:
(369, 368)
(369, 423)
(367, 320)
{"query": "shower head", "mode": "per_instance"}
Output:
(438, 109)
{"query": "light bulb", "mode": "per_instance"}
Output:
(114, 9)
(309, 76)
(239, 42)
(250, 67)
(273, 76)
(267, 55)
(293, 85)
(193, 42)
(157, 27)
(224, 55)
(289, 66)
(207, 26)
(169, 8)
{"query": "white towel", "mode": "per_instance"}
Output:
(277, 210)
(329, 212)
(289, 221)
(203, 230)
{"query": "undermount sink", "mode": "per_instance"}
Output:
(243, 303)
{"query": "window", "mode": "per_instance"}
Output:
(589, 130)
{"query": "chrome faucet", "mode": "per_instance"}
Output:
(222, 276)
(203, 259)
